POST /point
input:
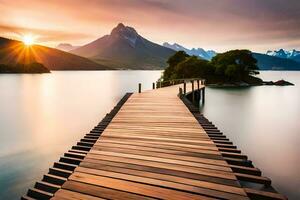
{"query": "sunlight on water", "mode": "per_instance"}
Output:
(42, 116)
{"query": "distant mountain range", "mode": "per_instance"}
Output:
(266, 62)
(13, 52)
(124, 48)
(207, 55)
(273, 60)
(281, 53)
(66, 47)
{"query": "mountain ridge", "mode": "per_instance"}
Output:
(281, 53)
(14, 52)
(264, 61)
(200, 52)
(66, 47)
(124, 48)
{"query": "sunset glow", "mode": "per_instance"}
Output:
(220, 25)
(28, 40)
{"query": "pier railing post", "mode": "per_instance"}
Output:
(198, 84)
(203, 95)
(153, 86)
(193, 92)
(140, 87)
(184, 87)
(180, 92)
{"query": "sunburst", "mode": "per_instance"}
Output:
(28, 40)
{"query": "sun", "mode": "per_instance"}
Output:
(28, 40)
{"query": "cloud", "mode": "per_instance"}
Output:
(220, 24)
(44, 35)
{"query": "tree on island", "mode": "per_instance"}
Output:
(173, 61)
(230, 67)
(235, 65)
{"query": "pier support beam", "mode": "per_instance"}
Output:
(203, 95)
(140, 87)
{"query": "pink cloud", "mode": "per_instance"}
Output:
(219, 25)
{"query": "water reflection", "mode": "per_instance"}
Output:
(42, 116)
(264, 123)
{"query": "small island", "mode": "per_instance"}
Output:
(31, 68)
(229, 69)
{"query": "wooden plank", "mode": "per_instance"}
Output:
(134, 140)
(203, 158)
(101, 192)
(207, 163)
(161, 133)
(162, 149)
(63, 194)
(159, 170)
(258, 194)
(169, 177)
(174, 146)
(172, 166)
(156, 182)
(136, 188)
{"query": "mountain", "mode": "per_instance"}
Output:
(207, 55)
(13, 52)
(31, 68)
(66, 47)
(276, 60)
(266, 62)
(125, 48)
(281, 53)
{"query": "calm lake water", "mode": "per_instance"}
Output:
(42, 116)
(264, 122)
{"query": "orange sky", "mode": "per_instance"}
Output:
(221, 25)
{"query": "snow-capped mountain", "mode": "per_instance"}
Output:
(208, 55)
(281, 53)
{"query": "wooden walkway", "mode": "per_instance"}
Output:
(153, 148)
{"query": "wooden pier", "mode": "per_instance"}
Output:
(154, 145)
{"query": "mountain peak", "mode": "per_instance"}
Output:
(125, 48)
(282, 53)
(121, 29)
(125, 32)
